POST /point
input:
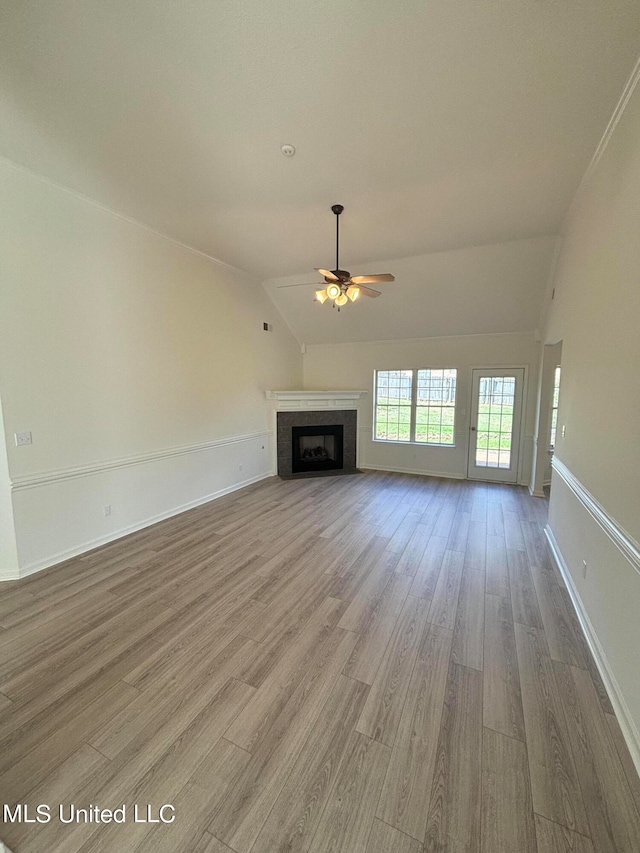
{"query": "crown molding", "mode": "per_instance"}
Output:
(616, 116)
(123, 216)
(391, 341)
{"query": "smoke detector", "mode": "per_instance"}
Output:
(288, 150)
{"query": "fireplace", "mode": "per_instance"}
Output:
(316, 448)
(316, 443)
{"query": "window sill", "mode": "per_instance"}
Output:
(412, 443)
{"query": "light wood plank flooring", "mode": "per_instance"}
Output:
(376, 663)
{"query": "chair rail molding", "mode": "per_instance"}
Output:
(31, 481)
(623, 540)
(61, 514)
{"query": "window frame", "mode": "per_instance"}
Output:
(555, 405)
(413, 407)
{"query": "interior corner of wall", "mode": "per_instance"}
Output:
(9, 565)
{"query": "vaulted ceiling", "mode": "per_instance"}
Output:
(476, 290)
(439, 125)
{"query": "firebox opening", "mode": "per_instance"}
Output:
(316, 448)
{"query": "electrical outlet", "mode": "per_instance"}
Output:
(107, 510)
(564, 430)
(23, 438)
(584, 568)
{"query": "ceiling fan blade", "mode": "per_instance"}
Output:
(367, 291)
(371, 279)
(327, 274)
(303, 284)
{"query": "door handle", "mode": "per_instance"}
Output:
(473, 429)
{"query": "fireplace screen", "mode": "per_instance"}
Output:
(316, 448)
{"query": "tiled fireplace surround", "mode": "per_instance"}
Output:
(315, 408)
(347, 418)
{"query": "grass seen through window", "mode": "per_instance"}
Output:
(415, 405)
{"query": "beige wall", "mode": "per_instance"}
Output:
(541, 470)
(475, 290)
(596, 314)
(8, 552)
(115, 344)
(351, 366)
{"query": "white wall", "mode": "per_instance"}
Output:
(345, 366)
(8, 551)
(477, 290)
(541, 468)
(119, 346)
(595, 313)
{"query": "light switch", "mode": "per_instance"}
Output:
(23, 438)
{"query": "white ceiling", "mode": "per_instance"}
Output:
(439, 124)
(471, 291)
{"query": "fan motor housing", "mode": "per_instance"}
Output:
(343, 275)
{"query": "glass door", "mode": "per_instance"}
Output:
(496, 409)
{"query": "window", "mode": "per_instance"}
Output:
(415, 405)
(554, 408)
(494, 435)
(435, 406)
(394, 394)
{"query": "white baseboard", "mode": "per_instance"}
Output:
(536, 493)
(627, 725)
(395, 470)
(84, 547)
(61, 514)
(8, 575)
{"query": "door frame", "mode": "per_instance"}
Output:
(521, 436)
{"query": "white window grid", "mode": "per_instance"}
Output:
(415, 406)
(496, 395)
(554, 408)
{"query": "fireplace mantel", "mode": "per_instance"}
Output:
(300, 401)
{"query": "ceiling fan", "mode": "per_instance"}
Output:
(341, 285)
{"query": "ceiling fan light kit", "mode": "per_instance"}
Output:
(341, 285)
(353, 291)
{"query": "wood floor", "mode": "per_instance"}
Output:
(376, 663)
